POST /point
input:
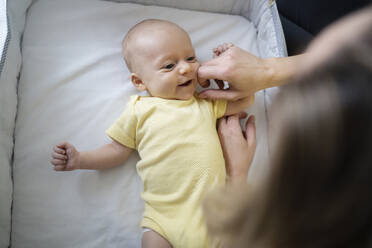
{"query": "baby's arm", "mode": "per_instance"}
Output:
(65, 157)
(234, 107)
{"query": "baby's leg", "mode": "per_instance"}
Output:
(151, 239)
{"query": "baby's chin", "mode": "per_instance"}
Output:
(186, 92)
(184, 98)
(182, 93)
(186, 95)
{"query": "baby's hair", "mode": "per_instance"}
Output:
(131, 36)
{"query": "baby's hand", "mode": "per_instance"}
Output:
(65, 157)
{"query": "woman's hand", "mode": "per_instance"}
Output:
(245, 73)
(238, 147)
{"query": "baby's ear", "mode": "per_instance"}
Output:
(137, 82)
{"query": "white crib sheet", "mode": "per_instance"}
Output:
(73, 85)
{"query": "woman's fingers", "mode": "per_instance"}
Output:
(230, 125)
(250, 133)
(238, 156)
(210, 71)
(221, 123)
(214, 68)
(233, 119)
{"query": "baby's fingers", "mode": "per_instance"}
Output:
(226, 46)
(59, 156)
(221, 49)
(220, 84)
(204, 83)
(59, 150)
(60, 168)
(56, 162)
(218, 50)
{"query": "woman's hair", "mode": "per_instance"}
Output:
(319, 191)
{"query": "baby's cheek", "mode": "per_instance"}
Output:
(196, 66)
(166, 85)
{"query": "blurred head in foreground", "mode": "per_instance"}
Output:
(319, 191)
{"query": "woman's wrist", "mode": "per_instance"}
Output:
(270, 73)
(281, 70)
(276, 73)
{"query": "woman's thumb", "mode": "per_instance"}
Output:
(231, 95)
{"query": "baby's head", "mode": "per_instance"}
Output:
(161, 59)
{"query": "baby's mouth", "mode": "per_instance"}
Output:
(187, 83)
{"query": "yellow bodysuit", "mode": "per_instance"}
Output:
(181, 159)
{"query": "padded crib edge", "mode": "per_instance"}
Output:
(215, 6)
(263, 13)
(13, 16)
(6, 134)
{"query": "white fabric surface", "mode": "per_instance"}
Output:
(3, 27)
(8, 107)
(73, 85)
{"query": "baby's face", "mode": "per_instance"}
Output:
(168, 66)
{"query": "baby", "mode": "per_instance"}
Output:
(173, 131)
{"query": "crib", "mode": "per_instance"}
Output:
(63, 79)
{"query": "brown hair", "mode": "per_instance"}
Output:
(319, 192)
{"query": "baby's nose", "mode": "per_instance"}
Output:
(184, 68)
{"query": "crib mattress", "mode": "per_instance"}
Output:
(73, 86)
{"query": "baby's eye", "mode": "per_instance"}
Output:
(168, 66)
(190, 58)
